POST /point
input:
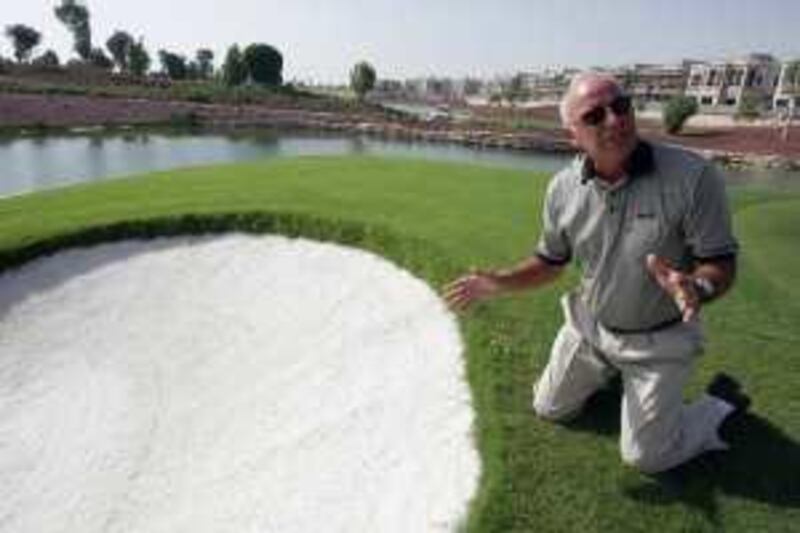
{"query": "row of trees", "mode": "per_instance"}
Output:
(256, 63)
(126, 53)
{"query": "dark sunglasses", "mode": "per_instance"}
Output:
(620, 106)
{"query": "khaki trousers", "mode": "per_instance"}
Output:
(658, 430)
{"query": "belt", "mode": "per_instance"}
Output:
(652, 329)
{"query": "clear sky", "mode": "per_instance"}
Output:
(321, 39)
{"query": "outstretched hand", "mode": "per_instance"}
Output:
(476, 286)
(677, 284)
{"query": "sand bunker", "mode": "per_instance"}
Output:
(234, 384)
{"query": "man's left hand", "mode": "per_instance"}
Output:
(677, 284)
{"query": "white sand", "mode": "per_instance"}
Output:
(234, 384)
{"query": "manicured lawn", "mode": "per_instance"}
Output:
(438, 219)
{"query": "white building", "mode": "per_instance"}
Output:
(548, 85)
(787, 92)
(430, 89)
(655, 83)
(723, 85)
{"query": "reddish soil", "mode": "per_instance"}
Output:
(741, 139)
(38, 110)
(744, 139)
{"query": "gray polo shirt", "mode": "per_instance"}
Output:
(672, 204)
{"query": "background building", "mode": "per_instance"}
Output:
(729, 85)
(787, 92)
(649, 83)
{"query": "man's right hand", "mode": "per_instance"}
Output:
(675, 283)
(476, 286)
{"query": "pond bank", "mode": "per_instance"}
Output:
(36, 114)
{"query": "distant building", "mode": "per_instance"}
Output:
(723, 85)
(548, 85)
(390, 87)
(431, 90)
(787, 91)
(718, 86)
(545, 86)
(655, 83)
(468, 87)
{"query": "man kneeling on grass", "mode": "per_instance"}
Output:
(650, 228)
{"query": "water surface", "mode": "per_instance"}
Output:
(35, 163)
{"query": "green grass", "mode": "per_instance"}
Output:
(438, 219)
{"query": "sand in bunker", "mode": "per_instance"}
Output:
(229, 384)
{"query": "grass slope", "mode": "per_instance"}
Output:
(438, 219)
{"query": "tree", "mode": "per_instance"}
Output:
(264, 64)
(677, 111)
(119, 45)
(76, 18)
(234, 71)
(204, 60)
(24, 39)
(99, 59)
(362, 79)
(192, 71)
(173, 65)
(138, 58)
(49, 59)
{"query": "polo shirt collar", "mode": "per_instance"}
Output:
(640, 163)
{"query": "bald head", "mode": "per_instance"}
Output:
(582, 85)
(601, 123)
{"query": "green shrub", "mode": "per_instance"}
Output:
(677, 111)
(200, 95)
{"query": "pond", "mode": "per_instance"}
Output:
(41, 162)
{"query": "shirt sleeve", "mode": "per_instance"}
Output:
(708, 226)
(553, 246)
